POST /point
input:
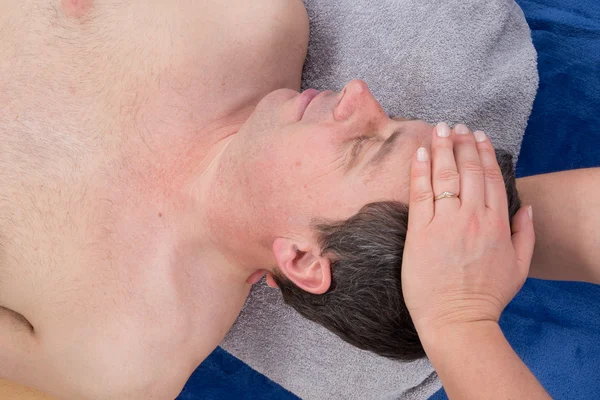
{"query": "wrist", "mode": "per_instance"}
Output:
(475, 361)
(444, 338)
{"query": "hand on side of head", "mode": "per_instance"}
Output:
(461, 263)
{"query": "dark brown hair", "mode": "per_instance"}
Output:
(364, 305)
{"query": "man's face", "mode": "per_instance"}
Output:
(325, 155)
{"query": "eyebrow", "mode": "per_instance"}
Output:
(386, 148)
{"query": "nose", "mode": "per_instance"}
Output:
(357, 102)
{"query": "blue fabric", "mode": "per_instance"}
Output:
(564, 128)
(553, 326)
(222, 376)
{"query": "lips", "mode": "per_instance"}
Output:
(305, 98)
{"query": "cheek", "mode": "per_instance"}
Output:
(384, 184)
(301, 173)
(304, 193)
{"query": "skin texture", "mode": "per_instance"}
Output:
(9, 390)
(566, 223)
(103, 249)
(149, 172)
(456, 294)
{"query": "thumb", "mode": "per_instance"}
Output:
(523, 236)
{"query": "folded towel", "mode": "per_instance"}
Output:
(466, 61)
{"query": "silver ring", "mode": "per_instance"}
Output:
(446, 195)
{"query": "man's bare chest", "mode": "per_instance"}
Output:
(90, 82)
(82, 93)
(88, 99)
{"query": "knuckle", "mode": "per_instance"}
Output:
(419, 196)
(481, 225)
(420, 173)
(474, 222)
(487, 149)
(500, 223)
(493, 174)
(472, 167)
(447, 174)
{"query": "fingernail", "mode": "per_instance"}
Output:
(422, 154)
(530, 212)
(443, 130)
(480, 136)
(461, 129)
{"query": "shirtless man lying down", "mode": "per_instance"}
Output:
(156, 157)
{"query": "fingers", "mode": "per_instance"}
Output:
(420, 208)
(445, 173)
(495, 190)
(472, 190)
(523, 238)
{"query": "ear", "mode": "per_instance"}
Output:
(303, 265)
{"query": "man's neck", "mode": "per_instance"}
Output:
(220, 205)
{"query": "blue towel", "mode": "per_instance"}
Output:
(222, 376)
(553, 326)
(564, 127)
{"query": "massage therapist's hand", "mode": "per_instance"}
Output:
(462, 265)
